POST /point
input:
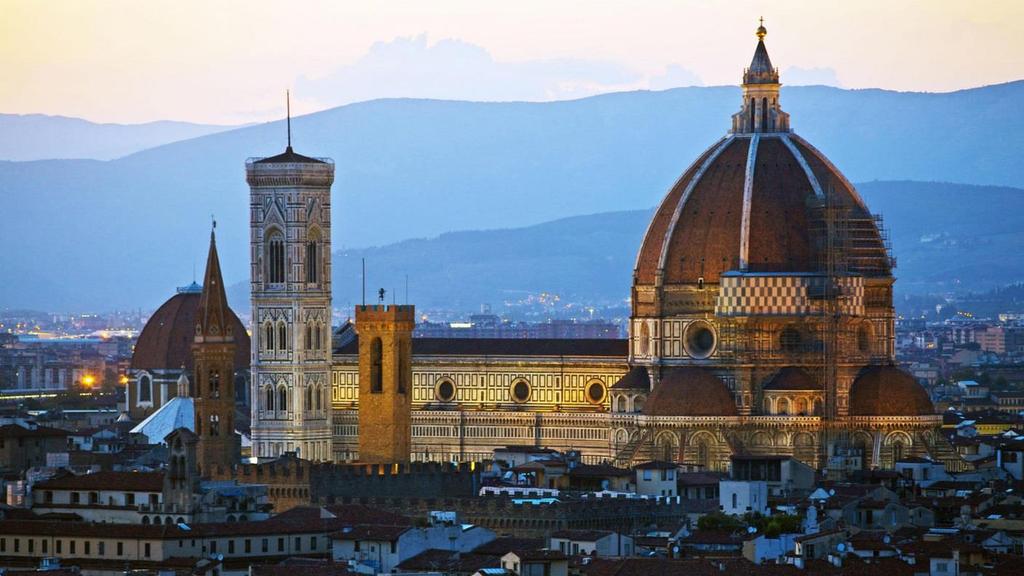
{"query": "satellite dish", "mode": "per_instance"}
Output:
(841, 547)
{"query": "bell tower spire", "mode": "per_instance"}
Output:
(760, 111)
(213, 358)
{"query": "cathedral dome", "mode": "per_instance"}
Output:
(166, 340)
(749, 202)
(690, 391)
(888, 391)
(756, 201)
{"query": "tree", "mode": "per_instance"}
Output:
(719, 521)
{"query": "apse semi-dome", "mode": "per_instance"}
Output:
(690, 391)
(888, 391)
(166, 340)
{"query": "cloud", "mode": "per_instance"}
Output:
(674, 77)
(453, 69)
(797, 76)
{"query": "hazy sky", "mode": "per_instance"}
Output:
(230, 62)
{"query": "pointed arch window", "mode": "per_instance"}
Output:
(268, 336)
(214, 425)
(309, 337)
(376, 366)
(309, 398)
(764, 114)
(317, 332)
(282, 399)
(282, 335)
(269, 406)
(319, 397)
(313, 257)
(275, 257)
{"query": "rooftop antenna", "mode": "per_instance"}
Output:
(288, 114)
(364, 282)
(406, 289)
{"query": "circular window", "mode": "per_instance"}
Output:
(700, 340)
(790, 339)
(521, 390)
(444, 390)
(595, 392)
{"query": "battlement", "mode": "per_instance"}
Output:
(386, 313)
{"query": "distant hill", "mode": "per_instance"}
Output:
(38, 137)
(591, 258)
(88, 234)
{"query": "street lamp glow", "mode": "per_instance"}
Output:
(88, 380)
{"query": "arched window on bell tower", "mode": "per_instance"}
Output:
(764, 114)
(282, 335)
(275, 257)
(268, 337)
(214, 385)
(313, 257)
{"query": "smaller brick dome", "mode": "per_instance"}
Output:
(690, 391)
(166, 340)
(792, 378)
(888, 391)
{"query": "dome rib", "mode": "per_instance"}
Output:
(830, 168)
(670, 232)
(646, 260)
(811, 177)
(748, 192)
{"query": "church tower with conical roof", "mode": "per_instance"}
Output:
(290, 234)
(213, 352)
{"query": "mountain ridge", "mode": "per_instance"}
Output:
(415, 168)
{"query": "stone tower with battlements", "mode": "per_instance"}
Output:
(385, 382)
(213, 352)
(290, 230)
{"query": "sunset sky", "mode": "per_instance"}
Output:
(229, 62)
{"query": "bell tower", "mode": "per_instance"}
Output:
(290, 240)
(213, 353)
(385, 382)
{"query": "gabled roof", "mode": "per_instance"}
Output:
(15, 431)
(122, 481)
(178, 412)
(376, 533)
